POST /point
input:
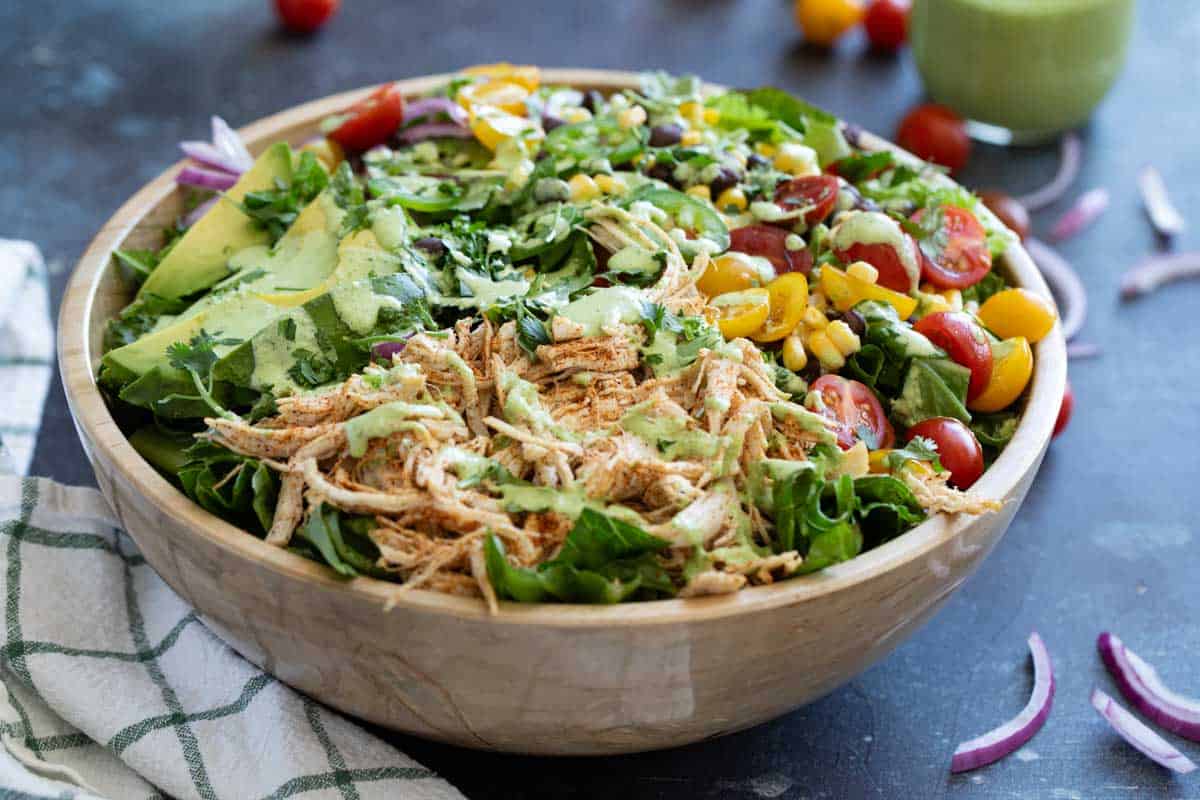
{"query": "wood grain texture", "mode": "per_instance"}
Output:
(535, 679)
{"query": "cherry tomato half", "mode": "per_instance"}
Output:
(372, 121)
(958, 256)
(817, 193)
(741, 313)
(886, 23)
(1064, 411)
(958, 449)
(305, 16)
(957, 334)
(937, 134)
(1009, 211)
(732, 272)
(789, 301)
(770, 243)
(855, 410)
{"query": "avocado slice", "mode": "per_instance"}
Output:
(304, 258)
(200, 258)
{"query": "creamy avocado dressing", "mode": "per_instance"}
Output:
(486, 292)
(671, 436)
(873, 227)
(605, 308)
(358, 305)
(523, 406)
(384, 421)
(807, 420)
(273, 352)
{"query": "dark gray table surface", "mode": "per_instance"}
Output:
(96, 93)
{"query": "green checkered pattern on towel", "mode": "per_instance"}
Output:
(115, 689)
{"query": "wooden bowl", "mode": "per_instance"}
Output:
(547, 679)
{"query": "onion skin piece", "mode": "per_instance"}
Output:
(1163, 214)
(427, 106)
(203, 178)
(1142, 687)
(432, 130)
(1009, 737)
(1086, 210)
(1139, 736)
(1154, 272)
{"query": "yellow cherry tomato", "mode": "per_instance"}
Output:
(732, 272)
(741, 313)
(877, 463)
(789, 299)
(823, 21)
(528, 76)
(504, 95)
(845, 291)
(1018, 312)
(492, 126)
(1012, 367)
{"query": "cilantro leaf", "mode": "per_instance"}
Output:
(274, 210)
(197, 358)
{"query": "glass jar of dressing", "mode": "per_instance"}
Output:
(1021, 71)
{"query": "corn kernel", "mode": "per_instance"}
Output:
(576, 114)
(700, 190)
(845, 339)
(765, 149)
(863, 271)
(691, 138)
(794, 357)
(818, 301)
(711, 116)
(692, 111)
(815, 319)
(610, 184)
(797, 159)
(583, 187)
(821, 346)
(733, 196)
(632, 117)
(954, 298)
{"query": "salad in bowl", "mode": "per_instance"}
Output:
(533, 344)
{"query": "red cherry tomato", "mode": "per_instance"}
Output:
(957, 334)
(1064, 411)
(305, 16)
(372, 121)
(817, 193)
(886, 260)
(958, 449)
(770, 243)
(856, 410)
(936, 134)
(887, 23)
(1009, 211)
(958, 256)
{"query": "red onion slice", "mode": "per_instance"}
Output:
(428, 106)
(1142, 686)
(227, 141)
(1158, 270)
(388, 350)
(432, 130)
(1141, 737)
(1084, 212)
(996, 744)
(1068, 171)
(193, 216)
(204, 178)
(1064, 282)
(1165, 218)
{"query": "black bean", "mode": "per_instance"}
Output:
(812, 370)
(665, 135)
(855, 321)
(592, 100)
(663, 173)
(431, 244)
(726, 179)
(550, 122)
(755, 161)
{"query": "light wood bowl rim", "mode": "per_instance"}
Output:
(97, 425)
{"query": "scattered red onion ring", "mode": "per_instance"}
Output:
(204, 178)
(1140, 684)
(996, 744)
(1084, 212)
(431, 130)
(1165, 218)
(387, 350)
(1139, 735)
(1083, 350)
(1064, 282)
(193, 216)
(1158, 270)
(1068, 171)
(428, 106)
(226, 151)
